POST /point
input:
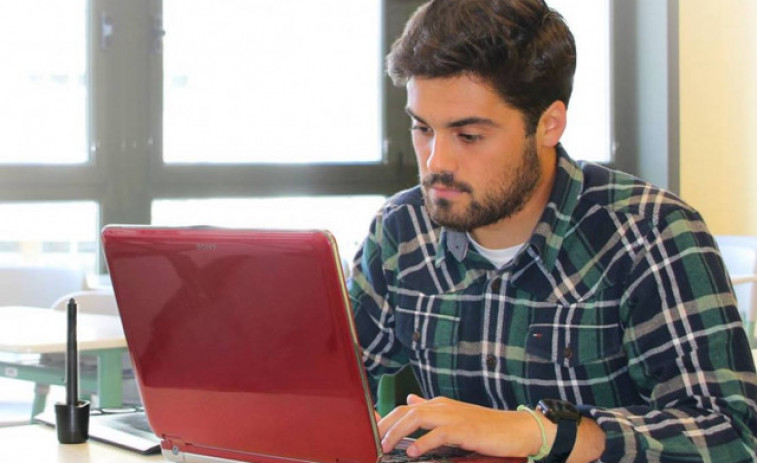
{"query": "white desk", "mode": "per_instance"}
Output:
(31, 330)
(37, 443)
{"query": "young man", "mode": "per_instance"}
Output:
(549, 308)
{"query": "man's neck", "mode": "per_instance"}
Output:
(519, 227)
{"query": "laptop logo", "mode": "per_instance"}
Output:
(206, 246)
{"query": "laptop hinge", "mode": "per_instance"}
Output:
(173, 449)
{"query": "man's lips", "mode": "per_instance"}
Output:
(442, 186)
(444, 192)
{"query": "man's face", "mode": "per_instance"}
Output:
(476, 164)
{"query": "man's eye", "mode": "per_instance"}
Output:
(422, 129)
(470, 138)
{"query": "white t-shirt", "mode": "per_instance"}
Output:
(498, 257)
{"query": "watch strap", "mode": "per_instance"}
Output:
(565, 439)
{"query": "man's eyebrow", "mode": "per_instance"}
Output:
(473, 121)
(414, 116)
(459, 123)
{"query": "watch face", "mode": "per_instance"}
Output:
(556, 410)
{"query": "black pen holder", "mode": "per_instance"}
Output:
(72, 422)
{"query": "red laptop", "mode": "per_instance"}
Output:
(243, 344)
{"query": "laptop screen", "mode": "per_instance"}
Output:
(242, 341)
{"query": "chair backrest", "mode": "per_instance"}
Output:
(740, 257)
(37, 286)
(101, 302)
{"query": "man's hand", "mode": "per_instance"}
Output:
(483, 430)
(471, 427)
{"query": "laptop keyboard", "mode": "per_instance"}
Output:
(129, 422)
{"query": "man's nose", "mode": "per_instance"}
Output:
(441, 157)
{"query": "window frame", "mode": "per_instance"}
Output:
(126, 173)
(152, 179)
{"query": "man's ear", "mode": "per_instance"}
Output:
(552, 124)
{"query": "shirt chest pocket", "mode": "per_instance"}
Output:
(425, 321)
(573, 346)
(584, 362)
(581, 334)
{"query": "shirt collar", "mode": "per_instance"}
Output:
(555, 221)
(553, 224)
(454, 242)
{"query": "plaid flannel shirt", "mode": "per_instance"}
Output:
(619, 303)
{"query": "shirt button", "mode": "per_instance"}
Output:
(491, 361)
(568, 353)
(496, 285)
(416, 336)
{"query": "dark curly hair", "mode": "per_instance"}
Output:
(522, 48)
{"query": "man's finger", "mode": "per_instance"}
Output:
(413, 399)
(402, 422)
(386, 422)
(430, 441)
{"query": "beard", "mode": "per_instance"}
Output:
(509, 196)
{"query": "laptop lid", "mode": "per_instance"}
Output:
(243, 343)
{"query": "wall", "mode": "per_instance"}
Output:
(718, 112)
(645, 93)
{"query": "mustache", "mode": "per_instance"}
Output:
(446, 179)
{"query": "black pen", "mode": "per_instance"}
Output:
(72, 416)
(72, 357)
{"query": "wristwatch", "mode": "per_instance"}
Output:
(567, 417)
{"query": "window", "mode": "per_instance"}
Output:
(43, 82)
(272, 81)
(588, 135)
(49, 233)
(213, 114)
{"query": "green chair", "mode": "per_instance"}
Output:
(393, 390)
(740, 257)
